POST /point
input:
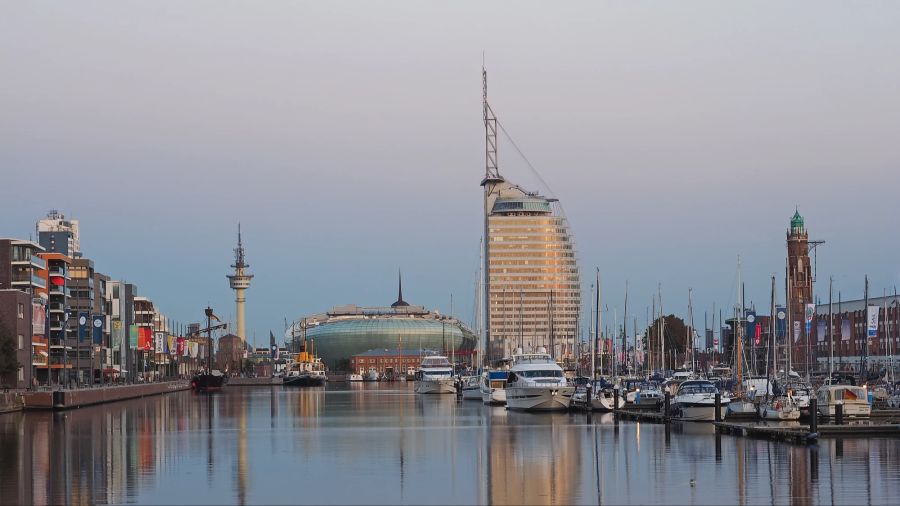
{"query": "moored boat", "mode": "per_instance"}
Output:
(435, 376)
(695, 401)
(471, 388)
(853, 399)
(493, 387)
(537, 383)
(208, 381)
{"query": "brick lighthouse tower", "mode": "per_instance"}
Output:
(800, 278)
(240, 281)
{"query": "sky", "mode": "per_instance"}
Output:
(347, 139)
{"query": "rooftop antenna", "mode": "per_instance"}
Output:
(491, 170)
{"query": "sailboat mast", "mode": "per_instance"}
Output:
(662, 331)
(599, 320)
(770, 343)
(625, 332)
(592, 333)
(648, 349)
(830, 328)
(863, 366)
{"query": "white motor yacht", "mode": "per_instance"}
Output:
(435, 376)
(493, 387)
(536, 382)
(357, 376)
(695, 400)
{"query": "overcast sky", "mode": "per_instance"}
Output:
(347, 138)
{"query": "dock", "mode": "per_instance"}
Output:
(70, 398)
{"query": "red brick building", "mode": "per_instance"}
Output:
(386, 362)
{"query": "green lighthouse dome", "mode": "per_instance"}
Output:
(797, 222)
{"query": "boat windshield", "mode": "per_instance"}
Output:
(540, 374)
(697, 388)
(436, 362)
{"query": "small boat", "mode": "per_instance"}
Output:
(645, 394)
(435, 376)
(695, 400)
(410, 373)
(305, 371)
(537, 383)
(371, 375)
(854, 400)
(493, 387)
(471, 388)
(779, 408)
(208, 381)
(355, 377)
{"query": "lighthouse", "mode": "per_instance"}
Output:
(240, 281)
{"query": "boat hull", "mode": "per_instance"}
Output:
(493, 396)
(605, 403)
(441, 386)
(304, 380)
(698, 412)
(207, 382)
(539, 398)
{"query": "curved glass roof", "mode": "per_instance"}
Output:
(522, 204)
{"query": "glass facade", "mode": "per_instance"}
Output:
(335, 341)
(534, 283)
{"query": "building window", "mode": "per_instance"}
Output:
(21, 373)
(21, 311)
(21, 342)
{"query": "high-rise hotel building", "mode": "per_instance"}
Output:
(531, 283)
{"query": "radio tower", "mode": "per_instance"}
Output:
(240, 281)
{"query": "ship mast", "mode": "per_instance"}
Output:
(491, 179)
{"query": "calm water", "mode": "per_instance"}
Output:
(383, 444)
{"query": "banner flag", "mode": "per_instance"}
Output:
(158, 342)
(171, 347)
(810, 312)
(750, 329)
(273, 347)
(82, 325)
(820, 331)
(796, 331)
(98, 328)
(845, 329)
(134, 336)
(38, 319)
(117, 334)
(780, 322)
(872, 322)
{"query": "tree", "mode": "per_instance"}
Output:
(9, 365)
(675, 332)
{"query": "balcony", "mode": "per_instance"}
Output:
(57, 307)
(59, 271)
(31, 260)
(58, 290)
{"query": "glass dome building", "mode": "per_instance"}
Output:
(345, 331)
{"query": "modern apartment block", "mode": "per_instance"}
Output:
(57, 234)
(15, 321)
(532, 285)
(61, 352)
(120, 317)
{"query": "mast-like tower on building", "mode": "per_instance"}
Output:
(240, 281)
(532, 288)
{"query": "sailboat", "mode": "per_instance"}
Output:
(779, 407)
(210, 379)
(741, 405)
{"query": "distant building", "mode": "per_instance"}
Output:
(800, 279)
(848, 334)
(532, 284)
(57, 234)
(62, 346)
(230, 353)
(386, 361)
(345, 331)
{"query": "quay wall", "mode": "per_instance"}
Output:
(67, 399)
(10, 402)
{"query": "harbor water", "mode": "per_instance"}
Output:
(381, 443)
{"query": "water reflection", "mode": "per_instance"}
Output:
(383, 444)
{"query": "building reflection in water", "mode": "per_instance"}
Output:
(346, 444)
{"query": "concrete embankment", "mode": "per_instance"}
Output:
(10, 402)
(254, 382)
(67, 399)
